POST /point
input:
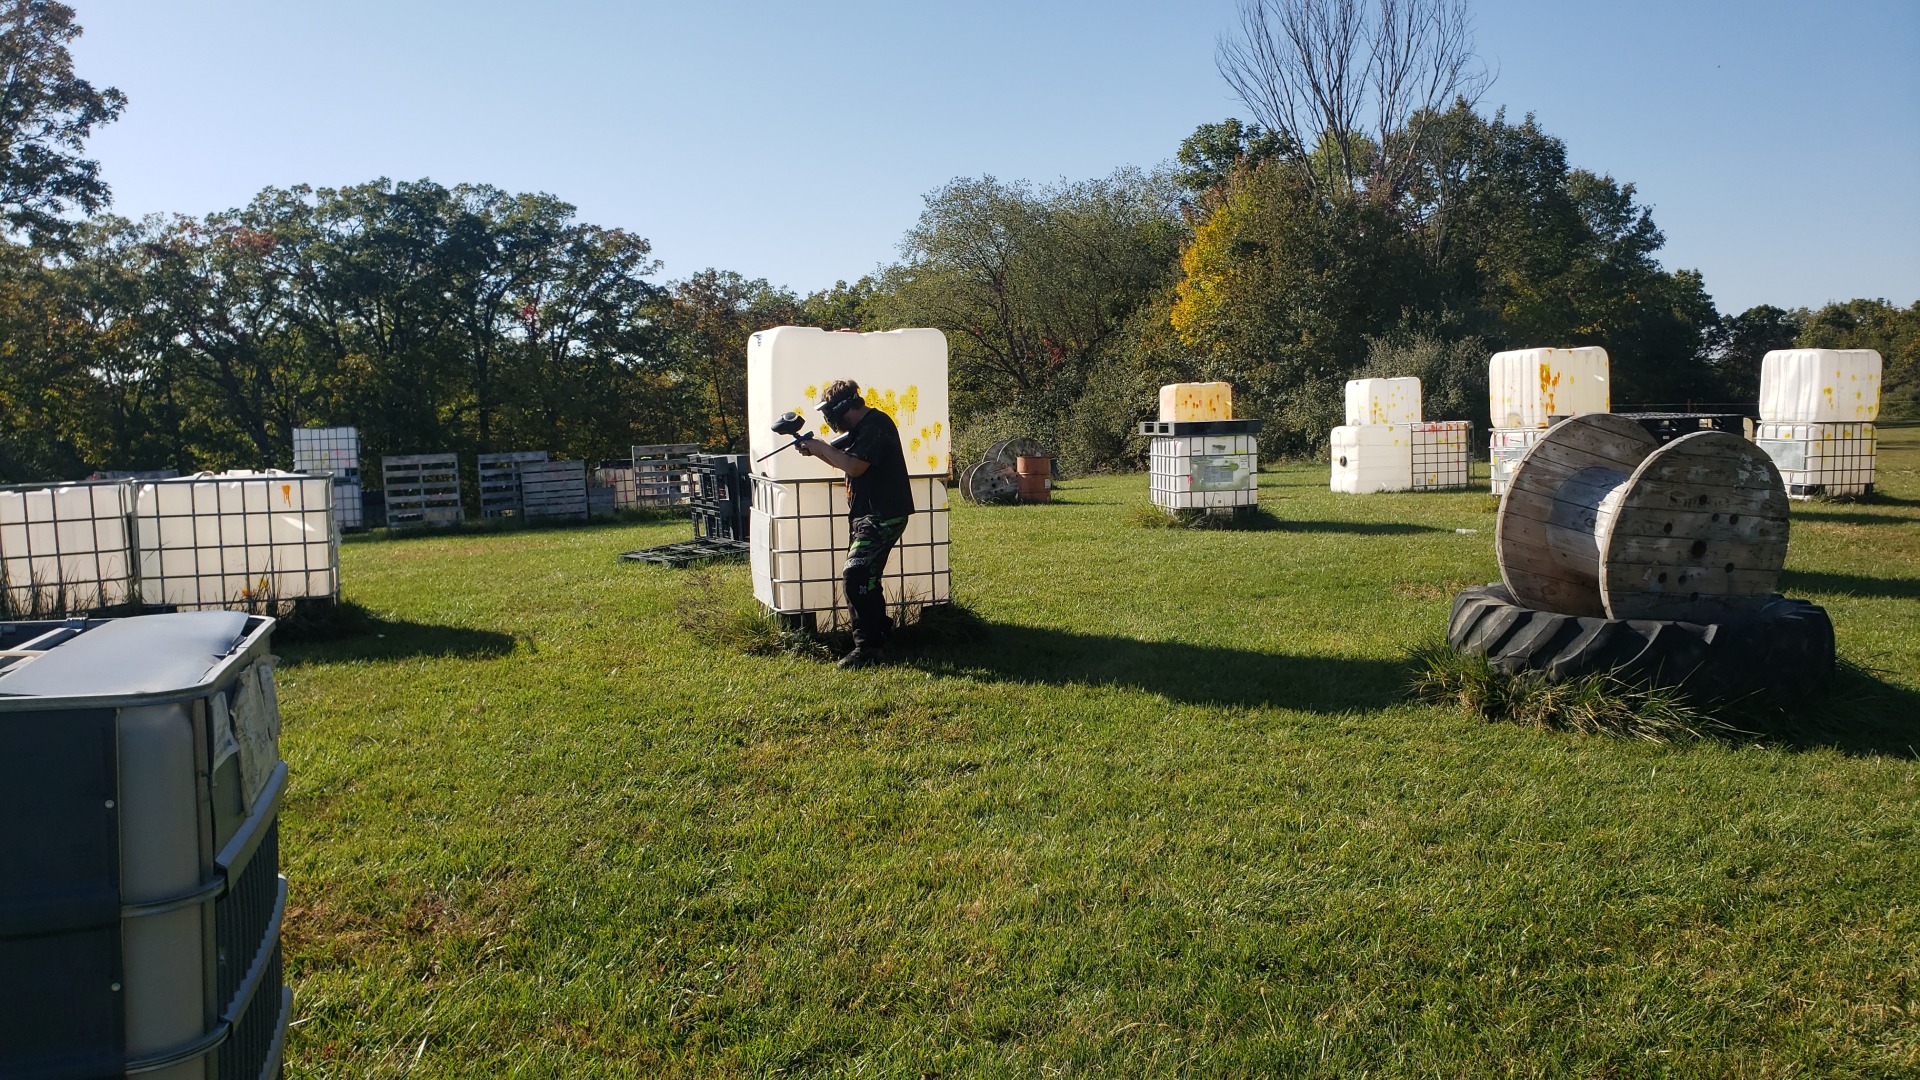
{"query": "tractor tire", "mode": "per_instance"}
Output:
(1785, 647)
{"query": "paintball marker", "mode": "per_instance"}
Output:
(791, 424)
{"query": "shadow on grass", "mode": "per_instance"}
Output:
(1816, 581)
(1859, 714)
(488, 526)
(1358, 528)
(351, 633)
(1192, 674)
(1261, 519)
(1846, 518)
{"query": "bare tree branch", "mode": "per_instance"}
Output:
(1310, 69)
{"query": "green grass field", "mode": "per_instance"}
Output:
(1168, 816)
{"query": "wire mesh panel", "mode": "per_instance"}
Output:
(620, 477)
(660, 473)
(1192, 472)
(799, 536)
(1505, 448)
(500, 480)
(349, 504)
(1442, 454)
(256, 541)
(65, 549)
(1820, 459)
(422, 489)
(333, 450)
(553, 490)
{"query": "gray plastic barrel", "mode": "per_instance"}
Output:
(140, 892)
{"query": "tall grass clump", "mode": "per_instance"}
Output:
(713, 609)
(1597, 704)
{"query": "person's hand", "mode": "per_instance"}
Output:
(805, 446)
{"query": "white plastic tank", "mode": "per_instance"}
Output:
(236, 539)
(335, 450)
(903, 373)
(797, 545)
(1820, 386)
(1203, 472)
(1506, 446)
(1372, 457)
(1196, 401)
(1383, 401)
(65, 546)
(1527, 386)
(1820, 459)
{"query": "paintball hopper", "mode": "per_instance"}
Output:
(789, 424)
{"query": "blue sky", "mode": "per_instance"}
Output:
(1777, 143)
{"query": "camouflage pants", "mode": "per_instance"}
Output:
(872, 542)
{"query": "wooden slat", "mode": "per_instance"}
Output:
(422, 489)
(554, 489)
(1538, 576)
(1675, 549)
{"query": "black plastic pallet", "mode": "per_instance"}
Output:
(1199, 427)
(688, 552)
(1668, 426)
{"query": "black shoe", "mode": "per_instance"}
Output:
(863, 656)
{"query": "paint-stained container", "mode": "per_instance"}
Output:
(903, 373)
(1196, 401)
(1820, 386)
(1525, 387)
(1383, 401)
(1372, 457)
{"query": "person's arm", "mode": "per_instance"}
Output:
(832, 455)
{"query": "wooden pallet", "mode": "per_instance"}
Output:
(660, 473)
(500, 480)
(422, 489)
(552, 490)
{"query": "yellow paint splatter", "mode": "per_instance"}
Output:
(936, 429)
(910, 401)
(813, 392)
(914, 446)
(933, 461)
(923, 433)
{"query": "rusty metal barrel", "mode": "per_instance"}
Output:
(1036, 478)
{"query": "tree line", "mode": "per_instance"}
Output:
(1285, 254)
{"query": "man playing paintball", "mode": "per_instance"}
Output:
(879, 501)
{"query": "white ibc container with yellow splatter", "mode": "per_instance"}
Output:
(1190, 402)
(797, 544)
(1204, 472)
(254, 540)
(1820, 459)
(903, 373)
(64, 549)
(1820, 386)
(1526, 387)
(798, 534)
(1442, 454)
(1372, 457)
(1383, 401)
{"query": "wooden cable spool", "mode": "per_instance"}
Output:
(1601, 520)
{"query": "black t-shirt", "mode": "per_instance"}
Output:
(882, 491)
